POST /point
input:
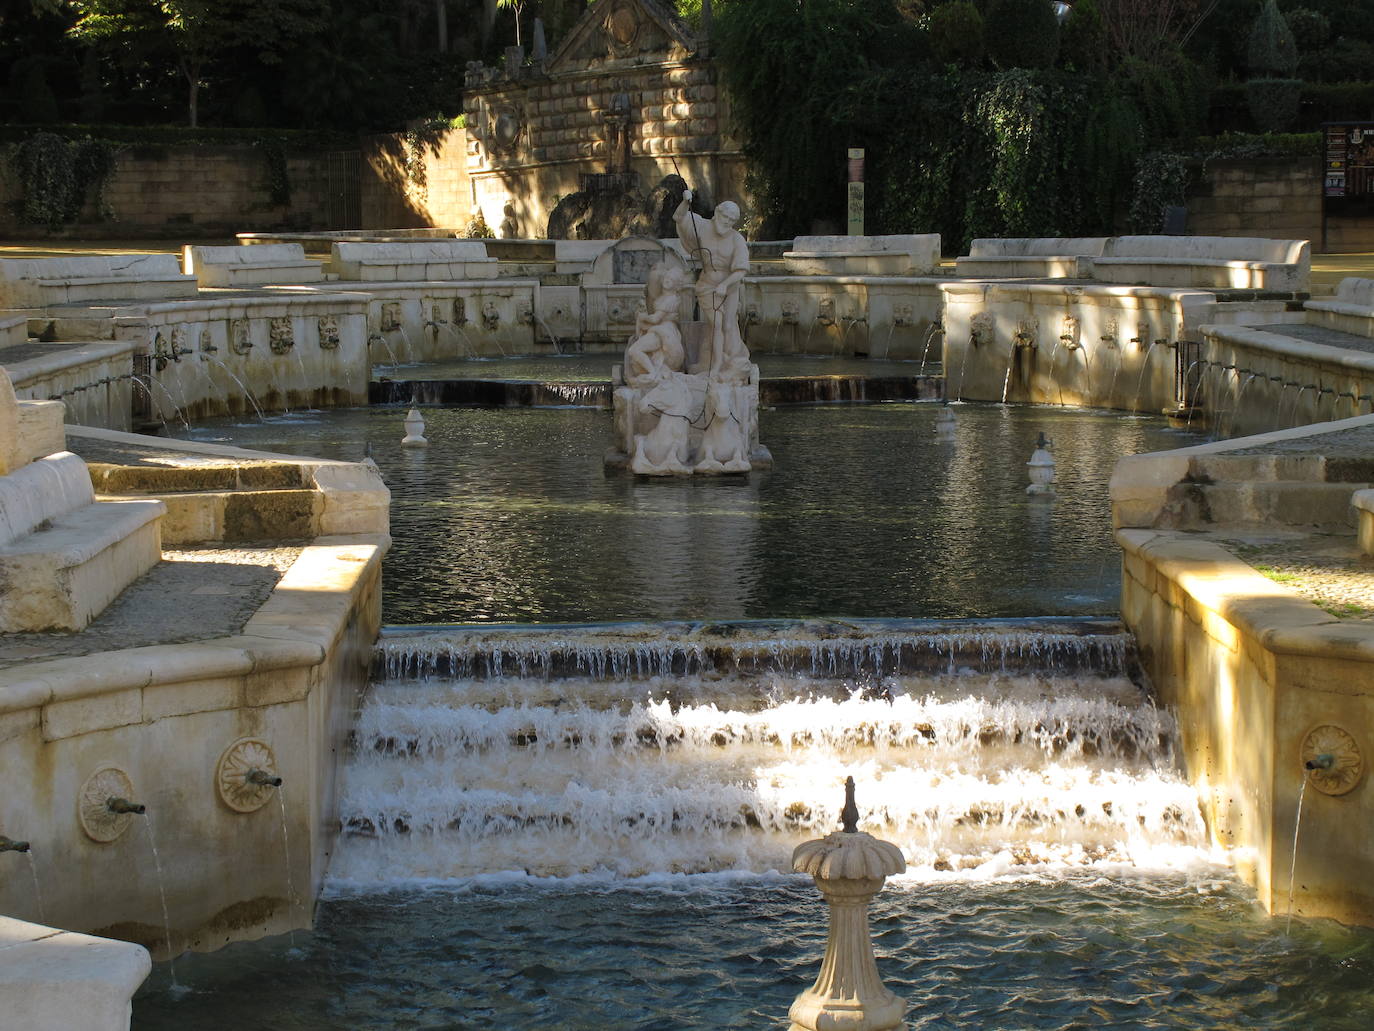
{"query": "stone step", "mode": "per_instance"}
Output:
(1320, 505)
(64, 573)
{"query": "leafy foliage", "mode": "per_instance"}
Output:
(56, 175)
(1274, 103)
(1272, 51)
(956, 34)
(1022, 34)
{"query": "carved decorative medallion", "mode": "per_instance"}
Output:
(207, 344)
(980, 329)
(238, 787)
(279, 335)
(240, 336)
(460, 312)
(1111, 330)
(1339, 762)
(329, 332)
(179, 339)
(622, 30)
(93, 804)
(491, 316)
(391, 316)
(1069, 331)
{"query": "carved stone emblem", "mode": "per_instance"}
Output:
(491, 316)
(240, 336)
(178, 339)
(1068, 333)
(207, 344)
(1332, 760)
(460, 312)
(391, 316)
(329, 332)
(622, 29)
(279, 335)
(93, 804)
(980, 329)
(1111, 331)
(791, 313)
(245, 774)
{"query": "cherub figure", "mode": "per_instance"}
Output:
(657, 345)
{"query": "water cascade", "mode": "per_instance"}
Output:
(981, 749)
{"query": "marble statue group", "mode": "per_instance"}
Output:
(688, 402)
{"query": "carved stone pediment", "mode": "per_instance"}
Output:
(623, 29)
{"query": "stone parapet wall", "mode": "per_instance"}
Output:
(214, 189)
(1278, 197)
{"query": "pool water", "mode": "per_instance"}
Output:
(509, 516)
(1169, 951)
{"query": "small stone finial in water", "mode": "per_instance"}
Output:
(850, 813)
(415, 429)
(849, 867)
(1041, 469)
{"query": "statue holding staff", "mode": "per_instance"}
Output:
(724, 257)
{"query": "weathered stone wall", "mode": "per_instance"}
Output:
(1277, 197)
(159, 189)
(407, 186)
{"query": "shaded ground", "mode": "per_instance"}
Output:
(193, 594)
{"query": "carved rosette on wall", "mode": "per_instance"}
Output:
(1338, 762)
(240, 336)
(234, 775)
(329, 332)
(279, 336)
(93, 804)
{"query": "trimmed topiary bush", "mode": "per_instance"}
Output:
(956, 34)
(1273, 52)
(1021, 34)
(1274, 103)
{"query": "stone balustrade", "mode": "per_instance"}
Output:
(250, 266)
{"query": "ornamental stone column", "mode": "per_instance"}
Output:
(849, 868)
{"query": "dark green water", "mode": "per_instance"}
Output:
(696, 954)
(508, 515)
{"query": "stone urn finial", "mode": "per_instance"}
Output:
(849, 868)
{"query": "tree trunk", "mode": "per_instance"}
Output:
(441, 23)
(192, 75)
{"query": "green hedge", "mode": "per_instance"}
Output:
(184, 136)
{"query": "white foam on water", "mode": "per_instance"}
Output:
(457, 780)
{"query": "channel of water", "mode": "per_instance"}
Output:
(574, 824)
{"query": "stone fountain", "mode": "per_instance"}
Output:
(849, 868)
(687, 395)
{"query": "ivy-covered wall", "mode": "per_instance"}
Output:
(184, 190)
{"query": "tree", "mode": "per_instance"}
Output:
(517, 6)
(193, 34)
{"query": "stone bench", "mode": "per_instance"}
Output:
(863, 255)
(43, 282)
(1351, 310)
(1044, 258)
(63, 555)
(275, 263)
(1218, 262)
(415, 262)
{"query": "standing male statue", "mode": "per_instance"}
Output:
(724, 258)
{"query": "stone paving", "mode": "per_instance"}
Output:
(1326, 569)
(193, 594)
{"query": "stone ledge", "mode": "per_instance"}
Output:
(304, 617)
(50, 978)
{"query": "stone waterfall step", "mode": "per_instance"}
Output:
(788, 390)
(1264, 503)
(690, 748)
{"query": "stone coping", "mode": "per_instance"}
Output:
(303, 618)
(1289, 347)
(51, 978)
(37, 360)
(378, 289)
(1086, 289)
(1273, 615)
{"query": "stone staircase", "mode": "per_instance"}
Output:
(64, 555)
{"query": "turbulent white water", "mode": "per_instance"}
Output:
(972, 775)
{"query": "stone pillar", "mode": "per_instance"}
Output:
(849, 868)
